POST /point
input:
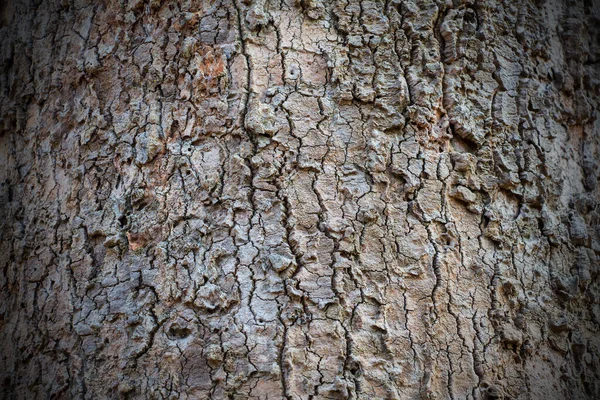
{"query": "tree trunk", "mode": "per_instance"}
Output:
(305, 199)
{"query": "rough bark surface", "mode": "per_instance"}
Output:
(304, 199)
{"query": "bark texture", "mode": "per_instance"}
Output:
(299, 199)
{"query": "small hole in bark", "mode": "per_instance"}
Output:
(179, 332)
(142, 204)
(212, 310)
(469, 16)
(354, 368)
(123, 220)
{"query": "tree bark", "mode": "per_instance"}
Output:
(299, 199)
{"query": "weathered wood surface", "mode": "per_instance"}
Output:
(302, 200)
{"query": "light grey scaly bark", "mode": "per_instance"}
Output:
(299, 199)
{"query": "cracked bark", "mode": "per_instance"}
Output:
(300, 199)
